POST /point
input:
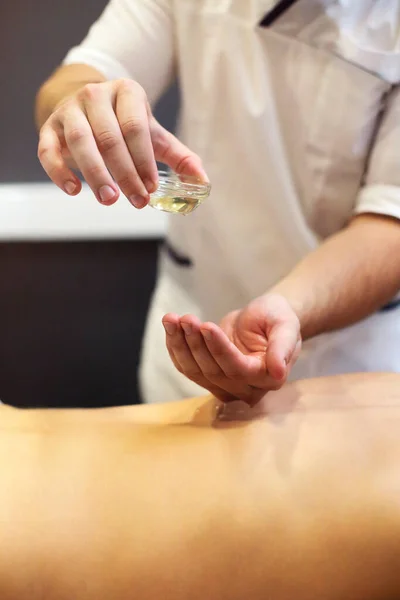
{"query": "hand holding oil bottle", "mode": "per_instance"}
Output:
(107, 131)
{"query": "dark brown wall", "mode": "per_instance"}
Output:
(71, 314)
(34, 38)
(71, 321)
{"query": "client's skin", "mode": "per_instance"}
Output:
(164, 502)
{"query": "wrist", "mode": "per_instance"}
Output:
(63, 84)
(300, 303)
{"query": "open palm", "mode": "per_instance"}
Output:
(250, 353)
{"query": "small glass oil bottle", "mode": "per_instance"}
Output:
(179, 194)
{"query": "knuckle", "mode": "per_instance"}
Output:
(157, 137)
(62, 109)
(195, 344)
(192, 373)
(125, 183)
(93, 171)
(49, 161)
(45, 134)
(43, 151)
(42, 131)
(107, 141)
(54, 171)
(132, 86)
(75, 136)
(142, 164)
(212, 374)
(186, 159)
(90, 92)
(132, 127)
(219, 352)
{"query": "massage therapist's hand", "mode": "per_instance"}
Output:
(108, 132)
(250, 353)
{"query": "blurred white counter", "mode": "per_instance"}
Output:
(40, 211)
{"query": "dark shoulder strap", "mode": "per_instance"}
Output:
(278, 11)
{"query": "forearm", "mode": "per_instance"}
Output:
(350, 276)
(64, 82)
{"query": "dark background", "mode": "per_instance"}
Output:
(35, 37)
(71, 313)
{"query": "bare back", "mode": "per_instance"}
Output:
(166, 501)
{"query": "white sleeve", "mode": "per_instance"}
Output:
(131, 39)
(380, 193)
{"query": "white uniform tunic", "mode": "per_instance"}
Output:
(294, 108)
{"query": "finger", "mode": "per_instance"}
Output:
(172, 329)
(235, 387)
(84, 151)
(176, 343)
(217, 392)
(271, 383)
(172, 356)
(282, 342)
(131, 111)
(201, 354)
(295, 354)
(206, 361)
(233, 363)
(112, 146)
(171, 326)
(170, 151)
(52, 161)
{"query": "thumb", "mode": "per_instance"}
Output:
(282, 344)
(170, 151)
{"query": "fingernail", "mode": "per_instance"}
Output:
(169, 328)
(206, 334)
(70, 187)
(150, 185)
(186, 328)
(205, 177)
(106, 193)
(138, 201)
